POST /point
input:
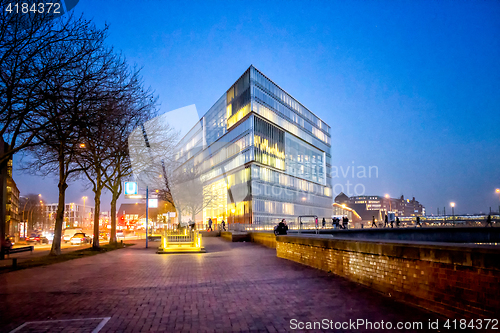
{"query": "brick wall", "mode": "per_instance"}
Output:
(265, 238)
(227, 235)
(452, 280)
(235, 236)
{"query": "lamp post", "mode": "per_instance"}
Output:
(41, 209)
(43, 214)
(452, 204)
(24, 221)
(83, 215)
(497, 191)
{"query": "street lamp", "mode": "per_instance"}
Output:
(452, 204)
(24, 221)
(83, 215)
(498, 192)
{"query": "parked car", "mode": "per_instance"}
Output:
(119, 234)
(80, 238)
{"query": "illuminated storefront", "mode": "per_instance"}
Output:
(262, 156)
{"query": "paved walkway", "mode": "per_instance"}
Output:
(232, 287)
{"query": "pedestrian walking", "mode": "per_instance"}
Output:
(488, 221)
(323, 223)
(386, 221)
(223, 224)
(210, 225)
(398, 222)
(316, 222)
(373, 222)
(418, 221)
(346, 223)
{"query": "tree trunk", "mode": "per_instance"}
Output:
(56, 242)
(114, 198)
(97, 209)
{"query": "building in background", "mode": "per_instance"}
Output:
(261, 154)
(341, 210)
(12, 207)
(132, 216)
(370, 206)
(74, 215)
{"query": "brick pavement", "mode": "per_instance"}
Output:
(232, 287)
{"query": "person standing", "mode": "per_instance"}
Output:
(323, 223)
(223, 224)
(373, 222)
(386, 221)
(398, 222)
(210, 224)
(282, 228)
(316, 222)
(488, 221)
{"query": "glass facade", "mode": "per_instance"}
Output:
(262, 154)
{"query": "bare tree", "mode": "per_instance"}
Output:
(195, 196)
(152, 150)
(33, 49)
(71, 102)
(125, 104)
(141, 105)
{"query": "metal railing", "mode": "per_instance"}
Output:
(180, 236)
(406, 222)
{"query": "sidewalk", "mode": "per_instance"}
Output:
(25, 256)
(232, 287)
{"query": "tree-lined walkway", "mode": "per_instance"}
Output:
(232, 287)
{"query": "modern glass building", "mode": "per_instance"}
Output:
(261, 155)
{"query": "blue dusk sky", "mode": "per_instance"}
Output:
(408, 87)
